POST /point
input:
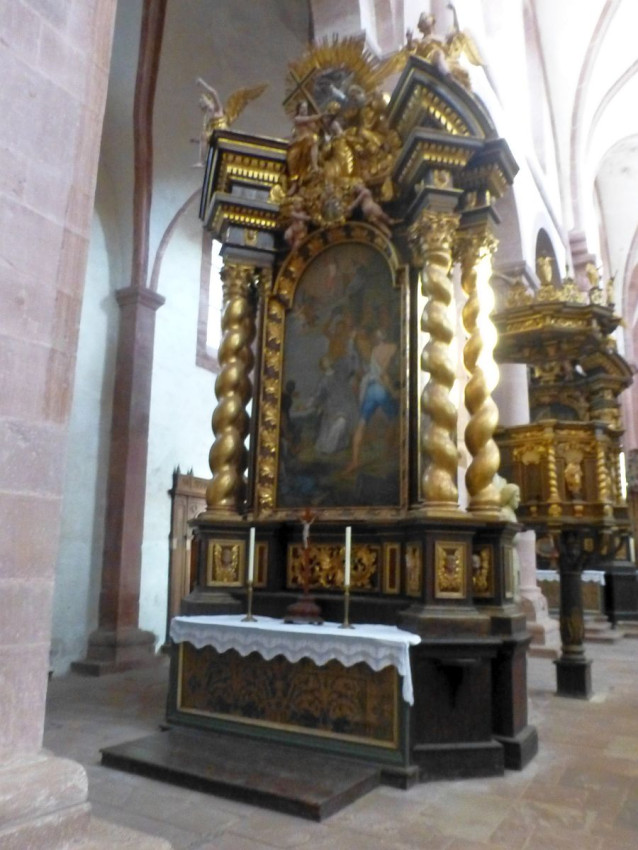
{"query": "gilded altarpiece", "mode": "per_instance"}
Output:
(332, 430)
(338, 363)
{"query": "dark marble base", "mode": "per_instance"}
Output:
(521, 749)
(573, 678)
(288, 779)
(459, 761)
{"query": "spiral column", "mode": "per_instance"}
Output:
(228, 456)
(431, 239)
(473, 249)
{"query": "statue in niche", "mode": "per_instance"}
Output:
(545, 269)
(574, 479)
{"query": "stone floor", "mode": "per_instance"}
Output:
(581, 791)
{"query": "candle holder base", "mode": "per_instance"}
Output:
(346, 610)
(249, 613)
(304, 611)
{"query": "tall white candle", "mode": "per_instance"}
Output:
(346, 578)
(251, 555)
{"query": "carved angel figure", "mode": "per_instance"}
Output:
(216, 116)
(297, 230)
(459, 44)
(371, 210)
(445, 54)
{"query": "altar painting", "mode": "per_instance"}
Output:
(341, 404)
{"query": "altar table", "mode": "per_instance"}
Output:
(593, 582)
(377, 646)
(344, 691)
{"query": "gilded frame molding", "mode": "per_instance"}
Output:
(279, 301)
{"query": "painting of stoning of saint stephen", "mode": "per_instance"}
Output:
(340, 398)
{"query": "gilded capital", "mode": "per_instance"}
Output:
(473, 245)
(432, 232)
(236, 279)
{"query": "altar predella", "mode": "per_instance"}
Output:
(337, 368)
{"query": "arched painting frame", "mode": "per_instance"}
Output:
(333, 410)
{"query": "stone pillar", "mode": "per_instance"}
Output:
(118, 643)
(512, 398)
(54, 66)
(581, 255)
(431, 239)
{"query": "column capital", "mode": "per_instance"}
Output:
(139, 295)
(473, 244)
(432, 231)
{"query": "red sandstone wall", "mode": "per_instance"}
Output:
(54, 60)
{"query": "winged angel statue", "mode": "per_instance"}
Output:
(217, 116)
(446, 53)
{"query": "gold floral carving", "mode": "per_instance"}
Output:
(225, 562)
(431, 242)
(233, 388)
(483, 572)
(450, 568)
(326, 562)
(269, 407)
(353, 703)
(413, 570)
(391, 568)
(472, 247)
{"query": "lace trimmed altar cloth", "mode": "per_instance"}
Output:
(377, 646)
(595, 576)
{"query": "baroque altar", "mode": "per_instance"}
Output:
(348, 252)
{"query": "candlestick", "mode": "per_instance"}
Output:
(249, 612)
(251, 556)
(346, 610)
(346, 575)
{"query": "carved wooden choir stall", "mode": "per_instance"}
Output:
(337, 368)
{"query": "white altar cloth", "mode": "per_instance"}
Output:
(377, 646)
(594, 576)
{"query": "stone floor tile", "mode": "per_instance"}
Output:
(581, 791)
(180, 839)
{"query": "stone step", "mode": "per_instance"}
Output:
(288, 779)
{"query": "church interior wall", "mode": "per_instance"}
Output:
(182, 391)
(182, 397)
(84, 499)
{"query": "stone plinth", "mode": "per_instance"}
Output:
(544, 630)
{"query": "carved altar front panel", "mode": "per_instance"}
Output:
(348, 703)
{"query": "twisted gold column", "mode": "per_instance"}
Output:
(233, 388)
(473, 248)
(602, 478)
(431, 240)
(555, 508)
